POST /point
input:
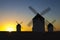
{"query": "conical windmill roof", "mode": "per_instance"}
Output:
(38, 16)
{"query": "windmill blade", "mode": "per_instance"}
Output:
(16, 22)
(33, 10)
(53, 21)
(21, 22)
(45, 11)
(47, 22)
(30, 23)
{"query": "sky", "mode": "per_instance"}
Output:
(17, 10)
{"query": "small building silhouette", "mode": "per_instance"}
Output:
(50, 27)
(18, 28)
(38, 23)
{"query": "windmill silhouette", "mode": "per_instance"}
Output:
(50, 26)
(38, 21)
(18, 26)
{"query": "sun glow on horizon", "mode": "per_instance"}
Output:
(9, 29)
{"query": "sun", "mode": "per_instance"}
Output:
(9, 29)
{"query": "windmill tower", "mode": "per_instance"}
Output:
(18, 27)
(50, 26)
(38, 20)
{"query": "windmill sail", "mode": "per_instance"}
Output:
(53, 21)
(30, 23)
(45, 11)
(47, 22)
(17, 22)
(33, 10)
(21, 22)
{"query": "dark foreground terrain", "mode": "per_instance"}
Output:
(29, 36)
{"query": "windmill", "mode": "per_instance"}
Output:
(38, 21)
(50, 26)
(18, 26)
